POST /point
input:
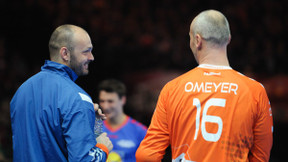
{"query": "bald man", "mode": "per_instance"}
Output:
(52, 117)
(211, 113)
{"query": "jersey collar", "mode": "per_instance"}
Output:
(209, 66)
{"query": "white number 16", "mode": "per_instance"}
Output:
(213, 137)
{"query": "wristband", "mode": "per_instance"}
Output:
(103, 147)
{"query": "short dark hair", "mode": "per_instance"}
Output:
(112, 85)
(62, 36)
(213, 27)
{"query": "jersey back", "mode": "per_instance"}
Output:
(215, 114)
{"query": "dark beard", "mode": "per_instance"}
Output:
(77, 68)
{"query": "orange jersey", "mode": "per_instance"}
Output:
(211, 113)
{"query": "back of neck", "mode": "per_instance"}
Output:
(216, 57)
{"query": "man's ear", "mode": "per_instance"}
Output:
(65, 54)
(198, 41)
(229, 38)
(123, 100)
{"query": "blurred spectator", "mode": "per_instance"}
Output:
(125, 132)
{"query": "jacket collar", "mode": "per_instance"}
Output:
(60, 69)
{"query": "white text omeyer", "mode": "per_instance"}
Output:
(208, 87)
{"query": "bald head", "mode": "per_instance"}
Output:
(63, 36)
(212, 26)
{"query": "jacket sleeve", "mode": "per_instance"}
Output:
(97, 154)
(153, 146)
(78, 126)
(263, 130)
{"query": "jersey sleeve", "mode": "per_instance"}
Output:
(78, 132)
(263, 130)
(153, 146)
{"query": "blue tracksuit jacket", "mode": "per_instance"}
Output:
(53, 118)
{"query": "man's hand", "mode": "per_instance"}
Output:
(103, 139)
(99, 111)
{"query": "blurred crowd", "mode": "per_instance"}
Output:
(141, 42)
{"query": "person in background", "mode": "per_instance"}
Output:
(125, 132)
(52, 117)
(211, 113)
